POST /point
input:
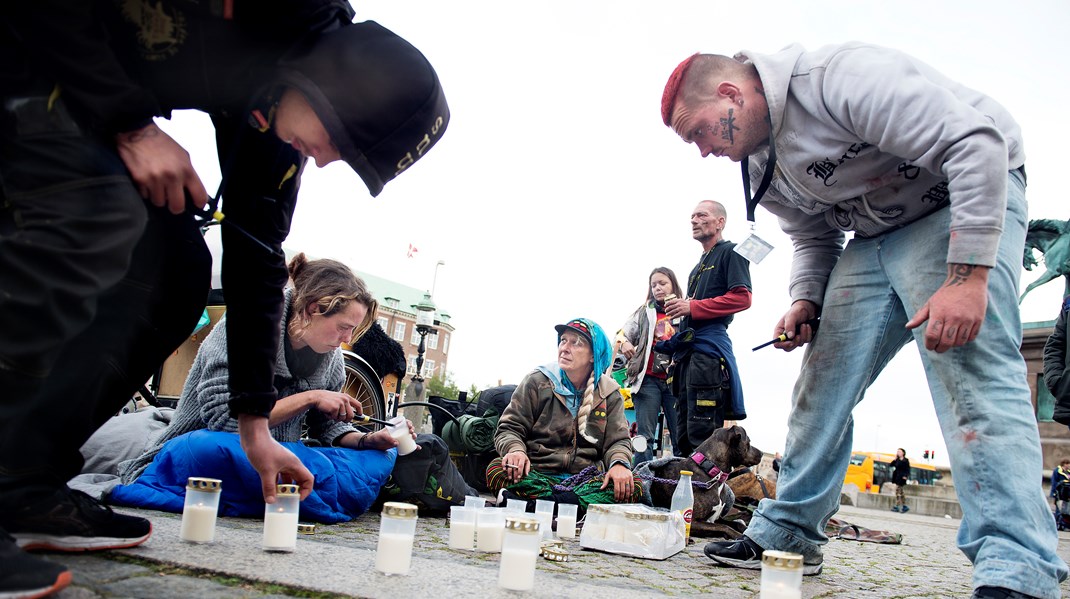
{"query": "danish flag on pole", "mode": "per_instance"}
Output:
(412, 251)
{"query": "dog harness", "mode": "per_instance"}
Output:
(706, 465)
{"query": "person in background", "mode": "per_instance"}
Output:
(929, 176)
(1056, 363)
(564, 435)
(1060, 474)
(705, 375)
(647, 370)
(102, 261)
(900, 474)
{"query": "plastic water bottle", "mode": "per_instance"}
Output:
(683, 501)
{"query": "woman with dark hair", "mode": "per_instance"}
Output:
(647, 370)
(900, 474)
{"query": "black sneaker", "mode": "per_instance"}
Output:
(25, 576)
(745, 553)
(70, 520)
(998, 593)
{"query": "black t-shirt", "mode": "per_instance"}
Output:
(720, 269)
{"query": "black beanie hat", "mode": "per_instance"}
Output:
(378, 97)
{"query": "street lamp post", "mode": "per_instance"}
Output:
(425, 320)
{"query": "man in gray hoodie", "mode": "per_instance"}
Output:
(929, 176)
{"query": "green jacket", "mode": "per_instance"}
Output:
(539, 422)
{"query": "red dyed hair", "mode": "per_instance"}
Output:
(672, 88)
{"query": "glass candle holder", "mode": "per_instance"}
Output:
(781, 575)
(200, 509)
(399, 430)
(516, 506)
(520, 550)
(475, 502)
(397, 529)
(544, 513)
(462, 527)
(615, 527)
(280, 519)
(490, 526)
(566, 520)
(594, 523)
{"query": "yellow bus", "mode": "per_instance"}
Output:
(869, 470)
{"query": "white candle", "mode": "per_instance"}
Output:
(594, 528)
(517, 570)
(406, 444)
(489, 536)
(566, 527)
(462, 534)
(280, 531)
(393, 555)
(198, 523)
(614, 533)
(546, 525)
(780, 591)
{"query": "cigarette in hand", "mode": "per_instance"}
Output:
(513, 466)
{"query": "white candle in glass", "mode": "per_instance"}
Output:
(566, 526)
(517, 570)
(462, 534)
(393, 555)
(198, 523)
(399, 430)
(280, 531)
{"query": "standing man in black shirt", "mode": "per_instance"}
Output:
(705, 377)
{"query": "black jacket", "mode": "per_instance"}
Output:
(900, 471)
(1056, 355)
(119, 63)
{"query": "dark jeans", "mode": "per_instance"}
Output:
(702, 394)
(654, 396)
(97, 290)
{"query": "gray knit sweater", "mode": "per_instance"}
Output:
(203, 403)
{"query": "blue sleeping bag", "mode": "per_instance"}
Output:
(347, 481)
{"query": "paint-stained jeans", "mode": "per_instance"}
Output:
(979, 390)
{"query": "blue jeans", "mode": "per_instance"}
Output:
(653, 396)
(979, 390)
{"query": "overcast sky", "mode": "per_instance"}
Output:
(556, 188)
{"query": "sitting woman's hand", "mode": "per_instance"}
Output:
(380, 439)
(337, 406)
(623, 482)
(516, 466)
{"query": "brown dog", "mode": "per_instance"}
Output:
(713, 460)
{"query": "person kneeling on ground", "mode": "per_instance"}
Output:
(564, 435)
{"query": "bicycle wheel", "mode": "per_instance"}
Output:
(363, 385)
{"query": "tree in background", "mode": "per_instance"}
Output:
(444, 386)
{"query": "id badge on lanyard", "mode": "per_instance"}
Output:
(755, 248)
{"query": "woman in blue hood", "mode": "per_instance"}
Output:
(564, 434)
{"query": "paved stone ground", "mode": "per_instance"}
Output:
(338, 561)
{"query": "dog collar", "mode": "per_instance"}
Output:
(707, 465)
